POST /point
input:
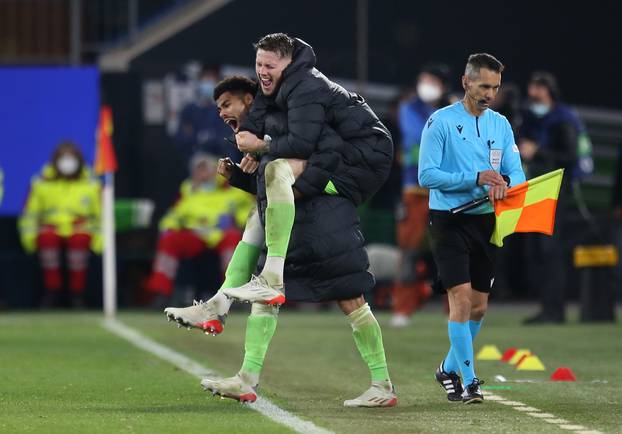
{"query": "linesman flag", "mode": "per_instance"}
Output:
(528, 207)
(105, 159)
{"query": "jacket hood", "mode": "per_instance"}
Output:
(302, 58)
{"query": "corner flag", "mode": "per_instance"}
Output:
(106, 165)
(105, 159)
(528, 207)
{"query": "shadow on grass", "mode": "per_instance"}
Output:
(211, 407)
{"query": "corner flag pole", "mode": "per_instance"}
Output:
(110, 252)
(106, 165)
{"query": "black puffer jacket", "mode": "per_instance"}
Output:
(316, 108)
(326, 259)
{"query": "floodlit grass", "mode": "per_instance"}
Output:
(64, 373)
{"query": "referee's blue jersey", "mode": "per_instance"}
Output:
(455, 146)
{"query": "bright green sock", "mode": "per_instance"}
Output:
(279, 223)
(280, 214)
(368, 339)
(260, 328)
(243, 263)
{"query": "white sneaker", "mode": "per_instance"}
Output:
(380, 394)
(399, 321)
(233, 387)
(208, 316)
(256, 291)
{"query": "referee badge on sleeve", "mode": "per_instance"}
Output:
(495, 158)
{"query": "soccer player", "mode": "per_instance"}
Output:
(352, 164)
(326, 261)
(467, 151)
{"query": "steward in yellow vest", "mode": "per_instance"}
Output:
(63, 212)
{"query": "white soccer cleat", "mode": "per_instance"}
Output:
(208, 316)
(380, 394)
(256, 291)
(233, 387)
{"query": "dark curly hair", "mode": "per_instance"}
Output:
(236, 84)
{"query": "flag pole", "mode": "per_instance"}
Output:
(106, 165)
(469, 205)
(110, 260)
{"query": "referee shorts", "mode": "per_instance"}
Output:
(462, 249)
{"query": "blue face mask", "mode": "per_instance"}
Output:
(206, 89)
(539, 109)
(207, 186)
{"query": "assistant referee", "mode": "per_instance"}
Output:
(467, 152)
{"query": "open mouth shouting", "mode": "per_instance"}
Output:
(233, 123)
(267, 84)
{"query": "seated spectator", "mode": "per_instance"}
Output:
(62, 213)
(208, 215)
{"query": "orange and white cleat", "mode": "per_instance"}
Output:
(380, 394)
(236, 387)
(208, 316)
(258, 290)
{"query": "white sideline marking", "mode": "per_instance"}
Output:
(262, 405)
(526, 409)
(534, 412)
(542, 415)
(511, 403)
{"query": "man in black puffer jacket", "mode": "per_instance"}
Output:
(348, 151)
(326, 261)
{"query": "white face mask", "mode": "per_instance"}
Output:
(539, 109)
(428, 92)
(67, 164)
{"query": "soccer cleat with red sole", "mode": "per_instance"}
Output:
(380, 394)
(258, 290)
(208, 316)
(233, 388)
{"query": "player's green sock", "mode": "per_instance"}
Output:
(242, 264)
(368, 339)
(280, 214)
(260, 328)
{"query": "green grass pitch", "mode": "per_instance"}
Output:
(64, 373)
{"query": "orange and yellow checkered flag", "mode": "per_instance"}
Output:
(528, 207)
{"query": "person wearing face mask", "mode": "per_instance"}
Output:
(200, 128)
(207, 215)
(62, 213)
(411, 290)
(551, 137)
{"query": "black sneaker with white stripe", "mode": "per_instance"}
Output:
(473, 393)
(450, 383)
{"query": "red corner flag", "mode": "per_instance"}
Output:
(105, 159)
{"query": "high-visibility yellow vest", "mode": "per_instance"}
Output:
(208, 211)
(70, 206)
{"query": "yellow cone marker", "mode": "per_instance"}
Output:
(531, 363)
(519, 355)
(489, 352)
